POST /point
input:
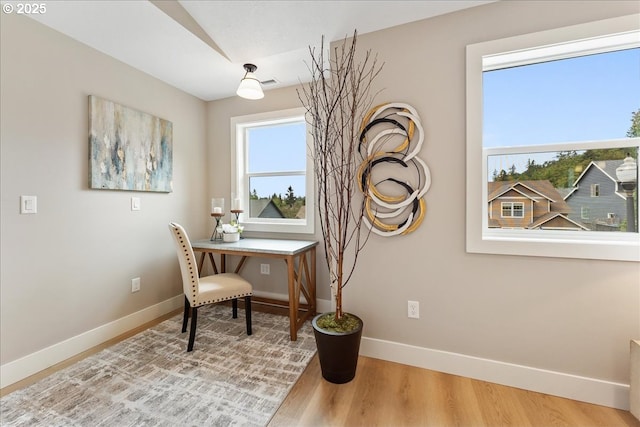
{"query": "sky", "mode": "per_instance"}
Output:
(277, 148)
(580, 99)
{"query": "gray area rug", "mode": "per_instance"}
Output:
(150, 380)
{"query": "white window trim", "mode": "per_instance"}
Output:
(548, 243)
(240, 185)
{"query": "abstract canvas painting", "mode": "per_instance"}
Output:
(128, 149)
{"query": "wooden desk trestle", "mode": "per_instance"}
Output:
(300, 257)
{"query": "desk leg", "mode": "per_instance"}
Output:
(213, 263)
(312, 282)
(201, 263)
(240, 265)
(293, 302)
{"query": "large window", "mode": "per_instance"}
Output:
(272, 175)
(550, 116)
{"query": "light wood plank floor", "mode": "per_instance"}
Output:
(390, 394)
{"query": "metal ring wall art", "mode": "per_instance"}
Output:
(393, 175)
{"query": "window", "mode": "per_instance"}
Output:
(272, 173)
(525, 95)
(512, 210)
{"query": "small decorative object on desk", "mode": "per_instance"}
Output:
(217, 212)
(217, 205)
(231, 232)
(230, 237)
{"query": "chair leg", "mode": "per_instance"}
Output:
(247, 312)
(234, 304)
(192, 333)
(185, 318)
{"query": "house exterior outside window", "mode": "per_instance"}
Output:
(597, 192)
(542, 208)
(554, 58)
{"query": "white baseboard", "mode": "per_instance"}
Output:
(591, 390)
(26, 366)
(584, 389)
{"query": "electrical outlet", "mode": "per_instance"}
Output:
(265, 269)
(413, 309)
(135, 284)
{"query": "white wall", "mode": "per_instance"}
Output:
(67, 269)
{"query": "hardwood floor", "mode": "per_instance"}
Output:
(394, 395)
(390, 394)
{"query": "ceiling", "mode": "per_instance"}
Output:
(200, 46)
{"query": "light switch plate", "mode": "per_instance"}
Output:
(135, 203)
(28, 204)
(135, 284)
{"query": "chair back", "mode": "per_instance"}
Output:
(188, 264)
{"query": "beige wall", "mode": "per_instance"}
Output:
(84, 244)
(567, 315)
(68, 269)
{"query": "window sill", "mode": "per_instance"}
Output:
(561, 244)
(301, 227)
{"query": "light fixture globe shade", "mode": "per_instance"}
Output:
(627, 172)
(250, 87)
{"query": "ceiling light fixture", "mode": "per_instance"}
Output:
(249, 85)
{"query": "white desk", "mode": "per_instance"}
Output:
(300, 257)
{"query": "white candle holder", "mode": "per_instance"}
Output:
(217, 211)
(217, 205)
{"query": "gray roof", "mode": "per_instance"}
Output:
(607, 166)
(264, 208)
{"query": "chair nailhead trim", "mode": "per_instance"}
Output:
(194, 275)
(213, 301)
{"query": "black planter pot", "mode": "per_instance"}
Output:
(338, 352)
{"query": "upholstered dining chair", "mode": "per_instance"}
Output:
(199, 291)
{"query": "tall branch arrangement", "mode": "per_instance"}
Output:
(337, 100)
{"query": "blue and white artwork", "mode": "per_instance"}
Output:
(128, 149)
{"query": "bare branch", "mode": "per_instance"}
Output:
(337, 100)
